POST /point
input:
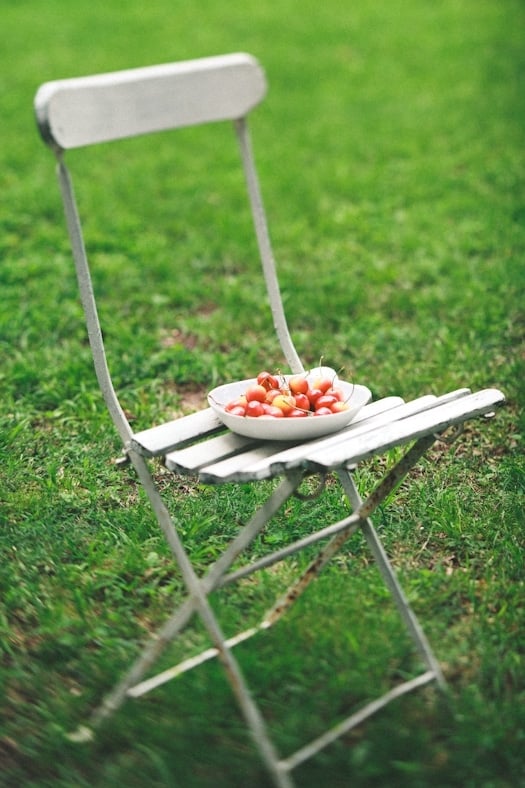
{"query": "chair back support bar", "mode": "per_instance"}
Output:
(89, 305)
(265, 249)
(72, 113)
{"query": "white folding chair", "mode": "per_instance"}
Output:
(80, 112)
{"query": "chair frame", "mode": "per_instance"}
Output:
(85, 111)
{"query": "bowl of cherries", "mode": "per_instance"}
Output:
(289, 407)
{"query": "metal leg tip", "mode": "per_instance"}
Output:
(82, 735)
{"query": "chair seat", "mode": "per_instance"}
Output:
(199, 445)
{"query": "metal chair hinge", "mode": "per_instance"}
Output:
(123, 460)
(316, 492)
(452, 436)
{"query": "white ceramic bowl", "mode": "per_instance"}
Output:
(270, 428)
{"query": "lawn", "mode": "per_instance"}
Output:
(391, 158)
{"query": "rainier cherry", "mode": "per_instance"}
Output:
(326, 401)
(297, 413)
(256, 393)
(240, 402)
(271, 410)
(285, 403)
(272, 394)
(302, 402)
(298, 385)
(237, 410)
(267, 380)
(322, 383)
(254, 408)
(313, 395)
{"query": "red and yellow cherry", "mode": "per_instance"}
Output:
(237, 411)
(290, 397)
(298, 385)
(267, 380)
(302, 402)
(256, 393)
(297, 413)
(313, 395)
(337, 393)
(271, 395)
(285, 403)
(323, 412)
(271, 410)
(254, 408)
(322, 383)
(325, 401)
(239, 402)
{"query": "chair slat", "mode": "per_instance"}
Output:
(156, 441)
(376, 407)
(234, 468)
(192, 458)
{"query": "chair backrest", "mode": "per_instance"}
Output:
(77, 112)
(72, 113)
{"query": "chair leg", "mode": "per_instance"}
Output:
(247, 705)
(362, 511)
(197, 603)
(391, 581)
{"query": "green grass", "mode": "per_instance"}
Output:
(390, 152)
